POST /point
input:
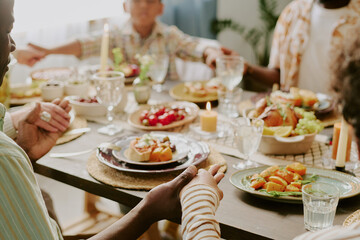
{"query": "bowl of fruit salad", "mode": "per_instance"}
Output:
(87, 107)
(163, 116)
(287, 129)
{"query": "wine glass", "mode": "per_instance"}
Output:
(247, 134)
(158, 70)
(230, 71)
(109, 87)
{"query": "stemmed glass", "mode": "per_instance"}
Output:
(109, 87)
(247, 134)
(158, 70)
(230, 70)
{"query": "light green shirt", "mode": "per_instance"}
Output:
(23, 213)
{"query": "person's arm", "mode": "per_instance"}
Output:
(71, 48)
(34, 53)
(23, 212)
(162, 202)
(200, 200)
(265, 75)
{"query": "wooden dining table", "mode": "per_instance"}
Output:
(240, 214)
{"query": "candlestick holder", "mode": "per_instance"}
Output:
(342, 169)
(222, 130)
(330, 163)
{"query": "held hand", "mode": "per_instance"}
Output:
(210, 178)
(163, 201)
(29, 56)
(60, 119)
(35, 141)
(210, 55)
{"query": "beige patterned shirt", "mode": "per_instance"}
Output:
(292, 33)
(163, 39)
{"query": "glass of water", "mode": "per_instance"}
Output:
(158, 70)
(320, 201)
(230, 70)
(247, 134)
(109, 87)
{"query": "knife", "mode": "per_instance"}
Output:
(77, 131)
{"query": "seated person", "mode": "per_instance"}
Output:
(142, 34)
(347, 84)
(305, 38)
(24, 214)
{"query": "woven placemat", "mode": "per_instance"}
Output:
(140, 181)
(79, 122)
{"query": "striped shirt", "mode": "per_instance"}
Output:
(23, 213)
(199, 204)
(351, 232)
(163, 39)
(292, 33)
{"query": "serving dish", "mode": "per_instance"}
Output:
(182, 149)
(198, 152)
(275, 145)
(86, 109)
(179, 93)
(348, 185)
(191, 113)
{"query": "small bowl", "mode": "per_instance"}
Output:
(86, 109)
(76, 88)
(52, 90)
(286, 145)
(275, 145)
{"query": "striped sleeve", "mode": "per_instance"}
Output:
(199, 204)
(23, 213)
(351, 232)
(9, 128)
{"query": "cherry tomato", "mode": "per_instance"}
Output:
(153, 120)
(164, 119)
(172, 116)
(181, 116)
(144, 115)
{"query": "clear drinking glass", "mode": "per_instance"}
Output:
(109, 87)
(158, 70)
(320, 201)
(230, 70)
(247, 134)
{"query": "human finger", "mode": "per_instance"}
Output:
(56, 101)
(46, 126)
(228, 51)
(184, 178)
(218, 176)
(214, 169)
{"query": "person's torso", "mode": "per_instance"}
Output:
(314, 71)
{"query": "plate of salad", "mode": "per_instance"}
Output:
(283, 183)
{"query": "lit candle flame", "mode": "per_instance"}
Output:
(208, 106)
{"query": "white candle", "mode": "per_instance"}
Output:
(342, 146)
(208, 119)
(104, 48)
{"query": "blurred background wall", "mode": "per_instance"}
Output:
(54, 22)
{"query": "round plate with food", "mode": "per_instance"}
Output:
(319, 102)
(163, 116)
(196, 92)
(198, 152)
(348, 185)
(152, 149)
